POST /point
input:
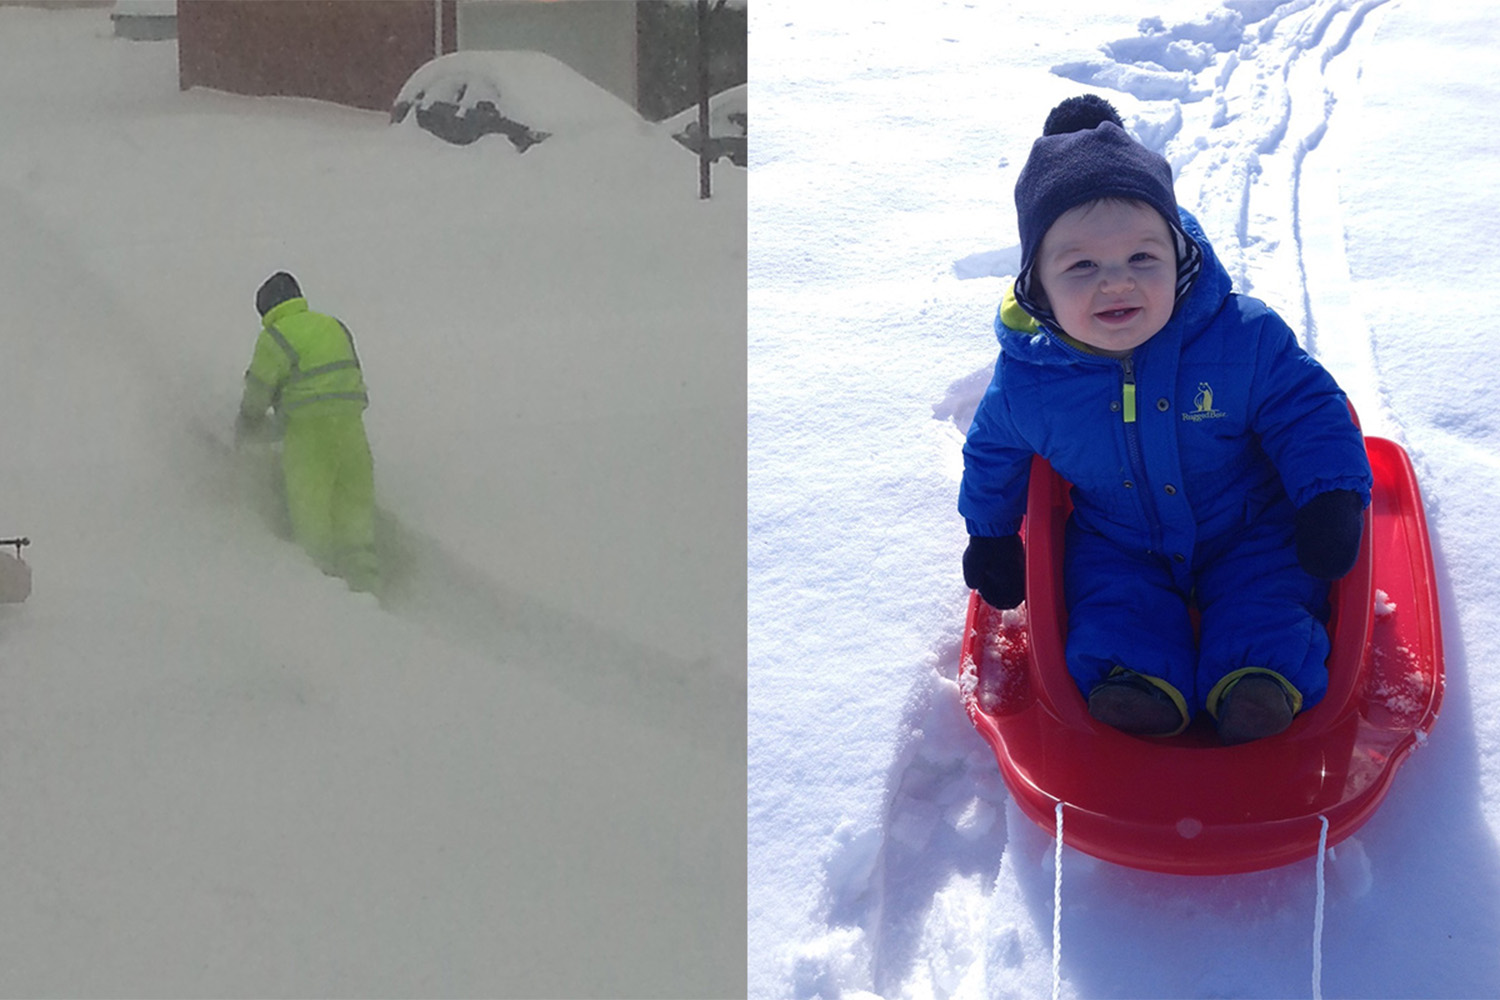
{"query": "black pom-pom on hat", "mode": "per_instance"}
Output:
(1079, 113)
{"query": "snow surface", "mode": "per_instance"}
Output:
(221, 772)
(1340, 153)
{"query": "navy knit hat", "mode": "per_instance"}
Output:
(278, 288)
(1085, 154)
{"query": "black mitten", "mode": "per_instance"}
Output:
(1328, 530)
(996, 567)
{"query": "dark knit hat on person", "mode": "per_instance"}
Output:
(1085, 155)
(278, 288)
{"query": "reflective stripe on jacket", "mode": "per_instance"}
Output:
(302, 358)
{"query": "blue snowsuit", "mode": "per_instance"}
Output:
(1188, 460)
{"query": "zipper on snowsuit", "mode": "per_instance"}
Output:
(1133, 450)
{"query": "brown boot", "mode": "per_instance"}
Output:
(1131, 703)
(1254, 707)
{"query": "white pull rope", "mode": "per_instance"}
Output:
(1057, 911)
(1317, 975)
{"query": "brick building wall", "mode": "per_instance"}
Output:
(353, 52)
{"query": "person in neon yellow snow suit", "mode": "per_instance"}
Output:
(306, 368)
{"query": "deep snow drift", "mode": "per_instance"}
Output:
(1339, 153)
(221, 771)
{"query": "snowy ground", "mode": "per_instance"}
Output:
(1340, 155)
(222, 773)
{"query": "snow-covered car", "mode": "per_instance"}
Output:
(728, 117)
(524, 96)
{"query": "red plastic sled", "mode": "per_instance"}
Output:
(1188, 805)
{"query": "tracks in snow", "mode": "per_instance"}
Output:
(436, 589)
(1251, 170)
(1244, 155)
